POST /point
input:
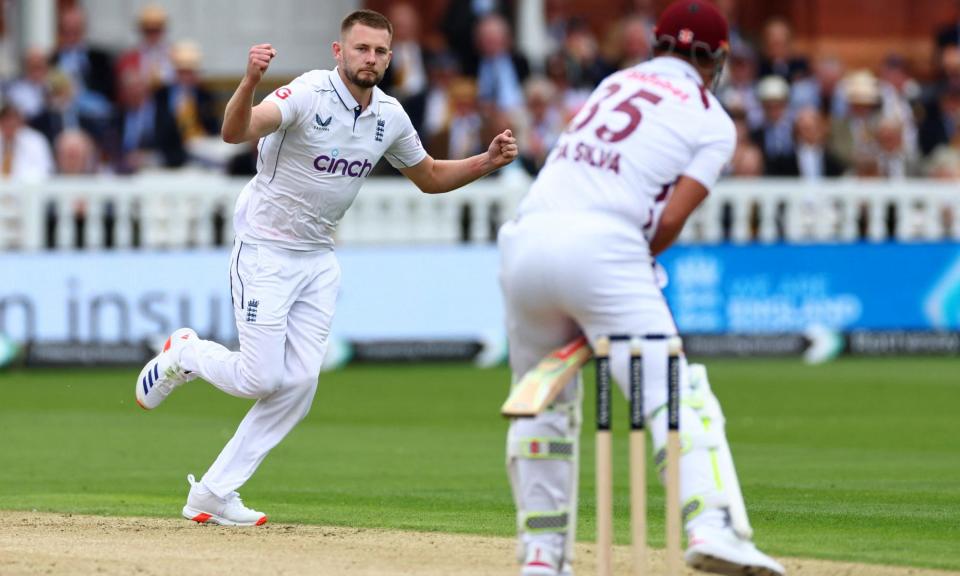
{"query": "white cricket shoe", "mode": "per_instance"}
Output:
(162, 374)
(543, 560)
(721, 551)
(205, 507)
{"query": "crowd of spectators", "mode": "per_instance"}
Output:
(83, 110)
(80, 109)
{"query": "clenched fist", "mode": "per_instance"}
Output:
(259, 61)
(503, 149)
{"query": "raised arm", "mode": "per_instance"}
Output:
(242, 121)
(438, 176)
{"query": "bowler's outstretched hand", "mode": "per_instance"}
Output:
(259, 61)
(503, 149)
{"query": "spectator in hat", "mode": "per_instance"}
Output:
(151, 56)
(775, 135)
(25, 155)
(852, 139)
(190, 104)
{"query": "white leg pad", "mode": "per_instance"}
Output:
(709, 482)
(724, 458)
(543, 467)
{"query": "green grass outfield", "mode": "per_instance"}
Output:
(856, 460)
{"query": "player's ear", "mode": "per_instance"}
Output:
(336, 49)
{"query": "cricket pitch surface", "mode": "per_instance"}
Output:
(33, 543)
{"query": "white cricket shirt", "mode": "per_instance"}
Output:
(640, 130)
(310, 169)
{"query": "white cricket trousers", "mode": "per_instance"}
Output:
(283, 301)
(562, 274)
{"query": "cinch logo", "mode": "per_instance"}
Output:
(345, 167)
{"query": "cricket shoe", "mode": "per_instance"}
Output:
(205, 507)
(721, 551)
(164, 373)
(542, 560)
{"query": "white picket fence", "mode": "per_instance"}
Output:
(187, 209)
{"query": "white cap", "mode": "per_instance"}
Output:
(861, 87)
(185, 55)
(773, 88)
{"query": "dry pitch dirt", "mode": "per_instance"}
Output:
(34, 543)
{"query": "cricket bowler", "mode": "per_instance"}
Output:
(319, 139)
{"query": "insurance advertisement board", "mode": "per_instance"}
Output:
(452, 292)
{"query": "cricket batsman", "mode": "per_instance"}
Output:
(616, 190)
(319, 139)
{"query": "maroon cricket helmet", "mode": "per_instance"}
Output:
(694, 28)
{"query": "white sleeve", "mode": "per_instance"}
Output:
(293, 100)
(405, 150)
(714, 150)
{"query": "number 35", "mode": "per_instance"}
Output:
(626, 106)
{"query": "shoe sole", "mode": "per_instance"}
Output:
(714, 565)
(201, 517)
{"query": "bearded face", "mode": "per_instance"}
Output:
(362, 76)
(363, 55)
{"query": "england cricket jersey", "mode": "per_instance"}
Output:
(639, 131)
(310, 169)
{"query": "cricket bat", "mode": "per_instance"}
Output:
(541, 385)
